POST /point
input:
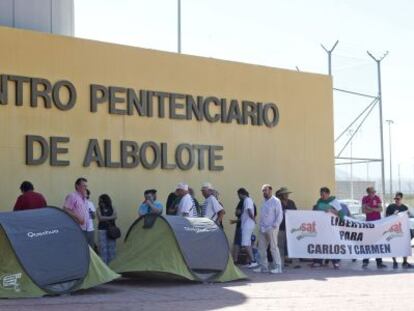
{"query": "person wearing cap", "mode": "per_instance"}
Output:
(150, 204)
(393, 209)
(271, 216)
(372, 208)
(186, 206)
(211, 209)
(287, 204)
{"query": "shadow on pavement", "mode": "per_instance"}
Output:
(305, 272)
(136, 294)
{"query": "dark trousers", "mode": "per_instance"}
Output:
(90, 238)
(378, 260)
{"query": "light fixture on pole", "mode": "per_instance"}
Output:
(390, 122)
(378, 61)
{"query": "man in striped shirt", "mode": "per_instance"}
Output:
(212, 209)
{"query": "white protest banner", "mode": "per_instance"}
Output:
(316, 234)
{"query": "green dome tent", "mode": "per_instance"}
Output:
(44, 252)
(194, 249)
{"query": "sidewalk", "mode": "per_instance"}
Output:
(350, 288)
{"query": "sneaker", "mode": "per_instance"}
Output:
(252, 265)
(381, 266)
(395, 265)
(336, 265)
(365, 265)
(260, 270)
(276, 270)
(407, 265)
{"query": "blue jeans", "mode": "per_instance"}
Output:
(107, 247)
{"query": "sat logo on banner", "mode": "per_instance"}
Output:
(316, 234)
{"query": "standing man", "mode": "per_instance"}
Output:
(212, 209)
(248, 223)
(196, 204)
(393, 209)
(75, 204)
(372, 208)
(172, 203)
(186, 207)
(328, 204)
(283, 195)
(271, 216)
(150, 204)
(90, 230)
(29, 199)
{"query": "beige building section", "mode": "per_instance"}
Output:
(297, 153)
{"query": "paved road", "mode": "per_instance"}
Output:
(350, 288)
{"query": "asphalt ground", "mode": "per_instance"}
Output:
(349, 288)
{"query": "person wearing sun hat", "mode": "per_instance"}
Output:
(287, 204)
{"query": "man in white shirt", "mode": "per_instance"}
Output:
(186, 207)
(248, 223)
(212, 209)
(271, 216)
(90, 231)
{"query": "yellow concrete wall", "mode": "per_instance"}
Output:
(297, 153)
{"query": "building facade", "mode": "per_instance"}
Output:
(129, 119)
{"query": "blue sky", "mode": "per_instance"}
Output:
(286, 34)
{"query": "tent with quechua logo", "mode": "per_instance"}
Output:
(174, 247)
(44, 252)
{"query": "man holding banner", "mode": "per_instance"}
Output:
(315, 235)
(394, 209)
(328, 204)
(372, 208)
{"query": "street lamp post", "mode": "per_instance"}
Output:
(390, 122)
(399, 177)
